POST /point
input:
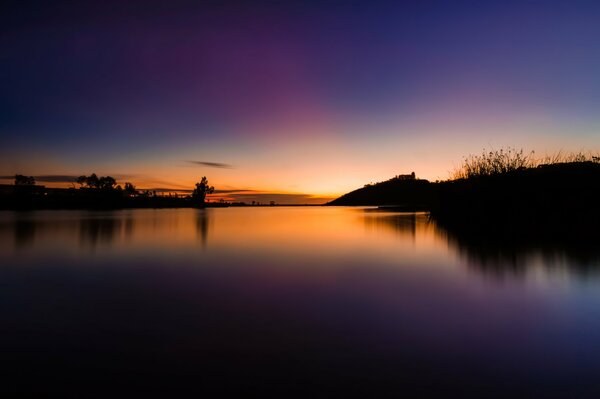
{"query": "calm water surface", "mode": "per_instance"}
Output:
(288, 300)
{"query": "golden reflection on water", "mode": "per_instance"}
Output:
(313, 234)
(278, 230)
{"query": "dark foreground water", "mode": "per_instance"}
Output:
(312, 302)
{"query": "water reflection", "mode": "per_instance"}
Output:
(495, 253)
(202, 220)
(99, 229)
(280, 233)
(508, 249)
(404, 224)
(24, 230)
(515, 255)
(128, 227)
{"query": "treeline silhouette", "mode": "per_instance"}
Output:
(97, 192)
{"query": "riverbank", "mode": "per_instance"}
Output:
(546, 202)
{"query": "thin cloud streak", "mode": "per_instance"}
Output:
(56, 179)
(234, 191)
(219, 165)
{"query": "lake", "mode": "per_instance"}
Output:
(288, 301)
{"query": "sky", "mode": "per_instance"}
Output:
(290, 101)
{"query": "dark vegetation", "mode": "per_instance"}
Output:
(545, 206)
(96, 192)
(552, 206)
(505, 199)
(21, 180)
(497, 183)
(201, 190)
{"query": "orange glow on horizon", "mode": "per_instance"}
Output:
(311, 168)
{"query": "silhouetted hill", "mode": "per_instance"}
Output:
(402, 192)
(574, 186)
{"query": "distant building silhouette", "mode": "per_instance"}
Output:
(407, 177)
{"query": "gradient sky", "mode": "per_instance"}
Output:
(307, 100)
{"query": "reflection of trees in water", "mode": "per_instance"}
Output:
(24, 231)
(90, 229)
(202, 222)
(501, 253)
(96, 230)
(128, 227)
(401, 223)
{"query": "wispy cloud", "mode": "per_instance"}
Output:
(232, 191)
(212, 164)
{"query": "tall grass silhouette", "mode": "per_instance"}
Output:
(497, 162)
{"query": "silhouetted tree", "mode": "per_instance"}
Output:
(106, 183)
(130, 190)
(21, 180)
(201, 190)
(93, 181)
(90, 181)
